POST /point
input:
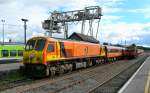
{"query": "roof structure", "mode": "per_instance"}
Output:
(82, 37)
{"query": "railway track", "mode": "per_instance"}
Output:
(7, 84)
(12, 78)
(38, 83)
(13, 84)
(80, 81)
(114, 84)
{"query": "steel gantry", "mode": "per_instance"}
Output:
(59, 20)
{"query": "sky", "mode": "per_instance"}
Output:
(122, 20)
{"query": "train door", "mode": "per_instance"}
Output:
(51, 51)
(106, 51)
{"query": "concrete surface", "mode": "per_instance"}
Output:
(140, 81)
(12, 66)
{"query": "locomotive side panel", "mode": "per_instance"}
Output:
(67, 49)
(94, 49)
(80, 49)
(83, 49)
(75, 49)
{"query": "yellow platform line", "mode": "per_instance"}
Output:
(147, 86)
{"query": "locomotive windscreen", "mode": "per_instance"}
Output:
(30, 44)
(40, 45)
(37, 44)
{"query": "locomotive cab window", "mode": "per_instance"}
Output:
(30, 45)
(40, 45)
(5, 53)
(13, 53)
(50, 48)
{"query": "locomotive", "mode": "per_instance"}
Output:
(47, 56)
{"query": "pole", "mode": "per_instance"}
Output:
(66, 31)
(3, 30)
(25, 28)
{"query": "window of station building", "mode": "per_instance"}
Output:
(50, 48)
(13, 53)
(20, 52)
(5, 53)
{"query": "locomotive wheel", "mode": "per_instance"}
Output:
(69, 68)
(74, 66)
(52, 71)
(89, 63)
(47, 71)
(114, 58)
(61, 69)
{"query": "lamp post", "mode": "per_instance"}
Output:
(3, 21)
(25, 28)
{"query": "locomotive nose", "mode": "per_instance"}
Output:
(32, 57)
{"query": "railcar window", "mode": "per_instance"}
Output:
(30, 45)
(5, 53)
(40, 45)
(13, 53)
(114, 50)
(50, 48)
(20, 52)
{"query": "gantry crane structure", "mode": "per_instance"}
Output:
(58, 21)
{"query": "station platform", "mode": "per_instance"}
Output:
(140, 80)
(10, 60)
(12, 66)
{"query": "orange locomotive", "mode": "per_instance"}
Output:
(45, 55)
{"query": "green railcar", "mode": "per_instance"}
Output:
(11, 51)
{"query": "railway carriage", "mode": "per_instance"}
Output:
(11, 53)
(131, 51)
(114, 52)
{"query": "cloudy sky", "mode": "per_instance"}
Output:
(122, 20)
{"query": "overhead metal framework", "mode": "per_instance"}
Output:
(59, 20)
